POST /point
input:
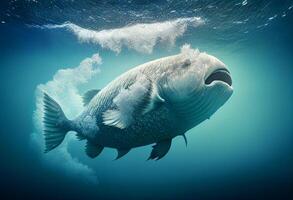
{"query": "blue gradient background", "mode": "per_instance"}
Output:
(245, 151)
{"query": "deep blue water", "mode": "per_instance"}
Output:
(245, 151)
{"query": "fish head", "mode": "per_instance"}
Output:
(217, 84)
(199, 84)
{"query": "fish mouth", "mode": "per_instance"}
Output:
(222, 75)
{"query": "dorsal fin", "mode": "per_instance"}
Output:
(87, 97)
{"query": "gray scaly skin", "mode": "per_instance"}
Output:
(151, 103)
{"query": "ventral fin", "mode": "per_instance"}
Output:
(93, 150)
(121, 153)
(87, 97)
(185, 139)
(160, 149)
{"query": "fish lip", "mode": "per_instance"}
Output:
(221, 75)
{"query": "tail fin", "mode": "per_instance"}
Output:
(56, 125)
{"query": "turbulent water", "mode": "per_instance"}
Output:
(68, 47)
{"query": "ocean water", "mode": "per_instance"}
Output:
(245, 151)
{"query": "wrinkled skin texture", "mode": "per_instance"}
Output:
(179, 80)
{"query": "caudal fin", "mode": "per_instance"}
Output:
(56, 125)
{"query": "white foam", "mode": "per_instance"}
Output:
(64, 89)
(140, 37)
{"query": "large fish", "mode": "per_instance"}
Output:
(151, 103)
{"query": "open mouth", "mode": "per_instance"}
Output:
(219, 75)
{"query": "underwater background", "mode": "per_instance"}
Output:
(245, 151)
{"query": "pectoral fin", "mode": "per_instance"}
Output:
(155, 100)
(138, 99)
(160, 149)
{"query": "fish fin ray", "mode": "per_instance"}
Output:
(80, 136)
(185, 139)
(55, 124)
(131, 102)
(160, 149)
(155, 100)
(116, 118)
(93, 150)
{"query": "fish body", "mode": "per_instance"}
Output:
(151, 103)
